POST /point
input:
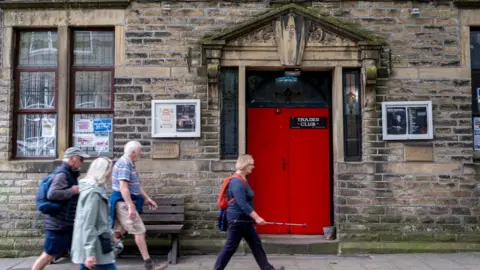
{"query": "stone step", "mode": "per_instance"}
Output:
(273, 244)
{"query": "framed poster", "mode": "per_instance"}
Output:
(407, 120)
(173, 118)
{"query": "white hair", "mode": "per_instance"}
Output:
(131, 147)
(98, 170)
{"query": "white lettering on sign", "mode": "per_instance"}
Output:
(308, 119)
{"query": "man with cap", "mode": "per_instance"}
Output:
(64, 189)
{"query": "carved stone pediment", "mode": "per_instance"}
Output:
(319, 37)
(289, 29)
(264, 36)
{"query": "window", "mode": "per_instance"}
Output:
(229, 113)
(92, 88)
(475, 66)
(35, 113)
(36, 92)
(352, 115)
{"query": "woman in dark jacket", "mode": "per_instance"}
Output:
(239, 216)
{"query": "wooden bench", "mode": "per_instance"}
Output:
(167, 219)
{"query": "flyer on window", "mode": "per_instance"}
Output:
(102, 143)
(84, 140)
(48, 127)
(84, 125)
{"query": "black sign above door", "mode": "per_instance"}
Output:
(308, 122)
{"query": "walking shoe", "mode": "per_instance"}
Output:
(154, 266)
(118, 247)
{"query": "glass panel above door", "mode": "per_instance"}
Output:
(277, 89)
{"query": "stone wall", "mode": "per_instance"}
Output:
(388, 196)
(399, 192)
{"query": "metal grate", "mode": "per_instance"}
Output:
(36, 135)
(352, 115)
(37, 49)
(93, 48)
(229, 113)
(93, 89)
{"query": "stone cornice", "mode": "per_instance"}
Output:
(63, 4)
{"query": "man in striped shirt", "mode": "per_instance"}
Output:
(126, 202)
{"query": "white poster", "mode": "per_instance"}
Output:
(48, 127)
(165, 121)
(84, 125)
(84, 140)
(102, 143)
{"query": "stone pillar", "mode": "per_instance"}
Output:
(370, 117)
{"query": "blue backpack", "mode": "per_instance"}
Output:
(44, 205)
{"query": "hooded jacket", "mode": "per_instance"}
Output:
(91, 221)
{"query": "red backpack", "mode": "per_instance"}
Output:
(222, 200)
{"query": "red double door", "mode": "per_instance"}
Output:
(291, 178)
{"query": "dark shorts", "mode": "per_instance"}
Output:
(57, 242)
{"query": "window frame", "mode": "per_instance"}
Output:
(223, 154)
(359, 126)
(72, 111)
(16, 110)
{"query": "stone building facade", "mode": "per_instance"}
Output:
(108, 60)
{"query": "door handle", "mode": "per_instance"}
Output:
(283, 163)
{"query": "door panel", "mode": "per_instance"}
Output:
(309, 174)
(291, 178)
(267, 134)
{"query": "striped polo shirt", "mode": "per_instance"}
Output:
(124, 170)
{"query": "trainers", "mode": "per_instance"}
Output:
(118, 247)
(154, 266)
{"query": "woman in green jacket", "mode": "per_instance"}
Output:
(92, 245)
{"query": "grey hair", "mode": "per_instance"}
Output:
(98, 170)
(131, 147)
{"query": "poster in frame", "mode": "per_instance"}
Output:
(407, 120)
(174, 118)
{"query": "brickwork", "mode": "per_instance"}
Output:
(383, 197)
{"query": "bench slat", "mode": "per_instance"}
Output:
(169, 201)
(163, 218)
(164, 228)
(165, 210)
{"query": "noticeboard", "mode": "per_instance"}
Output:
(407, 120)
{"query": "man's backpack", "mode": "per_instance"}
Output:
(44, 205)
(223, 201)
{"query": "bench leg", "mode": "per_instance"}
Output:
(174, 248)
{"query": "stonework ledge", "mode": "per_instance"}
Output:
(80, 4)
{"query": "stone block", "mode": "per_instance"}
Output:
(165, 150)
(418, 153)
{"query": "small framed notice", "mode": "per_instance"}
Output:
(173, 118)
(407, 120)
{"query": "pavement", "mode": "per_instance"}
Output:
(453, 261)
